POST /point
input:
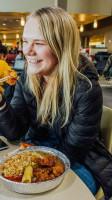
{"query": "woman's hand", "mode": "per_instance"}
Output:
(4, 103)
(0, 97)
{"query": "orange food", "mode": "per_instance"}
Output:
(17, 179)
(12, 80)
(6, 155)
(25, 145)
(44, 166)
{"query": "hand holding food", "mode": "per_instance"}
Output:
(2, 102)
(0, 97)
(1, 90)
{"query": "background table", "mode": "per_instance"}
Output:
(71, 187)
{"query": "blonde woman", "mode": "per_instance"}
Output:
(57, 100)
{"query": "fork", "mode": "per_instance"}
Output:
(4, 79)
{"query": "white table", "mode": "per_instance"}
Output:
(71, 188)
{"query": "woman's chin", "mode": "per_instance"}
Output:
(33, 70)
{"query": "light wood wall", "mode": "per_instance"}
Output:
(24, 5)
(101, 7)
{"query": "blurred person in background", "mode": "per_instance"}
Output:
(108, 68)
(10, 51)
(88, 56)
(5, 89)
(3, 65)
(58, 101)
(15, 50)
(19, 56)
(83, 50)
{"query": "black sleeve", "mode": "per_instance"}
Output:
(14, 118)
(85, 126)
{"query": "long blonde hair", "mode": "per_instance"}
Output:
(61, 34)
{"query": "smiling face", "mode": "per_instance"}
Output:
(41, 59)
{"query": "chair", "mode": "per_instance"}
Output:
(106, 134)
(106, 128)
(10, 59)
(100, 66)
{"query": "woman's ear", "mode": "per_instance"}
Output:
(4, 57)
(1, 56)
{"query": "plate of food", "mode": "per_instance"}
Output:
(34, 169)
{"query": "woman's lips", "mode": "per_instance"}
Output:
(34, 61)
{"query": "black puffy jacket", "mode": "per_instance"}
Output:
(78, 136)
(82, 127)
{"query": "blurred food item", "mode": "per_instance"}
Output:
(12, 80)
(24, 145)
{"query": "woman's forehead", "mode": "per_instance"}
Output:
(31, 25)
(31, 30)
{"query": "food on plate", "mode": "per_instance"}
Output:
(28, 174)
(12, 80)
(32, 167)
(24, 145)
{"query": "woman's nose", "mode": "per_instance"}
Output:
(30, 50)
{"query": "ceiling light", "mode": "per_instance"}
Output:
(4, 36)
(17, 36)
(95, 24)
(81, 28)
(22, 21)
